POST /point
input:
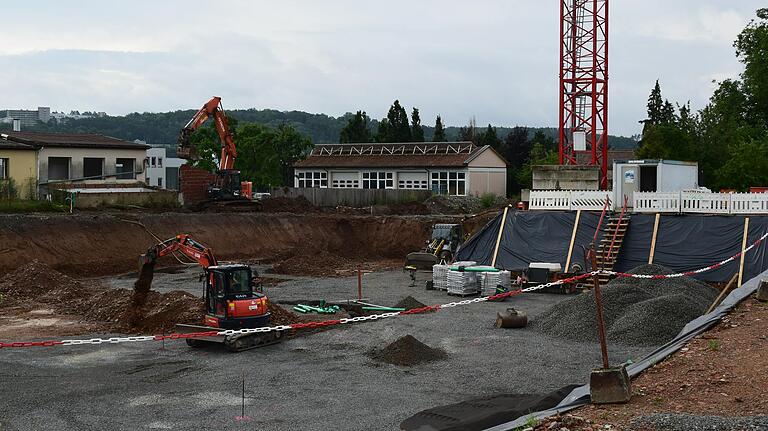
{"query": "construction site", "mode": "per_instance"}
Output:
(392, 285)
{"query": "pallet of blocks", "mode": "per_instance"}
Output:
(489, 281)
(463, 283)
(440, 277)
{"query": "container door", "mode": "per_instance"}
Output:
(648, 179)
(629, 184)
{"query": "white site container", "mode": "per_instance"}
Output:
(651, 176)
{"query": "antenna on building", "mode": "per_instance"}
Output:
(16, 125)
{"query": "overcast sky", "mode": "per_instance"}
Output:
(496, 60)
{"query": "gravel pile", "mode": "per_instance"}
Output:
(638, 312)
(408, 351)
(685, 422)
(409, 303)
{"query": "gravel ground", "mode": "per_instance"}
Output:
(324, 380)
(684, 422)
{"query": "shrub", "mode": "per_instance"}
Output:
(487, 200)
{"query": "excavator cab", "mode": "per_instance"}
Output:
(232, 300)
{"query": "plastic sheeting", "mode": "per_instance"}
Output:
(580, 396)
(683, 242)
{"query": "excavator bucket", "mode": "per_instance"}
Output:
(421, 260)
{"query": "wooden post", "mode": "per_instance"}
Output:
(743, 247)
(501, 232)
(573, 239)
(653, 239)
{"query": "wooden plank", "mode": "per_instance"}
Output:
(743, 248)
(653, 240)
(723, 293)
(498, 239)
(573, 239)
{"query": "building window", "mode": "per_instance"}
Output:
(4, 173)
(58, 168)
(412, 184)
(93, 168)
(153, 162)
(346, 184)
(378, 180)
(124, 168)
(449, 183)
(312, 179)
(159, 162)
(160, 182)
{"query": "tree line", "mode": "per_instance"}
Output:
(729, 136)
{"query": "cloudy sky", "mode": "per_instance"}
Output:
(496, 60)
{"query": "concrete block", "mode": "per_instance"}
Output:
(610, 386)
(762, 291)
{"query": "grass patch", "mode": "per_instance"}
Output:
(713, 345)
(28, 206)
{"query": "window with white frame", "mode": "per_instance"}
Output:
(4, 174)
(378, 180)
(346, 184)
(449, 183)
(412, 184)
(159, 162)
(317, 179)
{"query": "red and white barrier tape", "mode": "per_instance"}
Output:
(373, 317)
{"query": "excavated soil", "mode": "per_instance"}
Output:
(88, 245)
(407, 351)
(409, 303)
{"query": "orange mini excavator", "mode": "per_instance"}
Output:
(227, 184)
(232, 298)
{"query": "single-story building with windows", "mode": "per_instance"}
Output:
(18, 166)
(451, 168)
(82, 160)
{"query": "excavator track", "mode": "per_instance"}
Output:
(233, 343)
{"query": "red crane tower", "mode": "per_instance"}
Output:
(584, 84)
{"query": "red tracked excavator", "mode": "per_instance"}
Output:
(232, 298)
(227, 184)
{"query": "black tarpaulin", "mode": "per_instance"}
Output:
(683, 242)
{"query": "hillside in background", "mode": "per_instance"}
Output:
(163, 127)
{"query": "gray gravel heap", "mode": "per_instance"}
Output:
(686, 422)
(638, 312)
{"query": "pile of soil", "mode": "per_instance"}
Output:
(299, 205)
(409, 303)
(407, 351)
(637, 312)
(281, 316)
(36, 284)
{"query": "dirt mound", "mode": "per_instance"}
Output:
(299, 205)
(638, 312)
(409, 303)
(36, 284)
(407, 351)
(281, 316)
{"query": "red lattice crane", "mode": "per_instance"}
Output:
(583, 124)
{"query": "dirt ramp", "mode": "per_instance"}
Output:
(85, 245)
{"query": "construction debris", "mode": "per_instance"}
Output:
(638, 312)
(407, 351)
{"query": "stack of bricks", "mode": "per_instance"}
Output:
(193, 183)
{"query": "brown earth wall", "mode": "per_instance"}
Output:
(86, 245)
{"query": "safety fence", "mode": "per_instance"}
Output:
(700, 202)
(572, 200)
(373, 317)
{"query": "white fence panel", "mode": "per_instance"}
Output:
(749, 203)
(709, 203)
(549, 200)
(590, 200)
(656, 202)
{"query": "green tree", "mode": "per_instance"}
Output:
(469, 132)
(383, 133)
(356, 129)
(489, 137)
(539, 156)
(439, 135)
(752, 50)
(398, 128)
(746, 165)
(417, 132)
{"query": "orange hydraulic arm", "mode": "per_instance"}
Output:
(211, 109)
(185, 245)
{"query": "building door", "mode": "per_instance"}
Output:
(628, 184)
(648, 179)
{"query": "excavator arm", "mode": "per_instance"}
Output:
(183, 244)
(213, 109)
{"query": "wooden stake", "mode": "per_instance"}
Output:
(573, 239)
(743, 248)
(501, 232)
(653, 240)
(723, 293)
